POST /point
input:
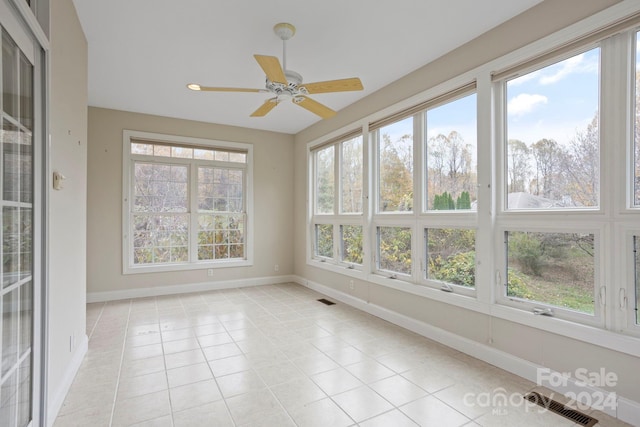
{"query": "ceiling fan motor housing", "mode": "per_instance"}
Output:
(291, 89)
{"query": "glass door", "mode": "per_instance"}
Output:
(17, 233)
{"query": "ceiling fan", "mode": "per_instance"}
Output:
(286, 84)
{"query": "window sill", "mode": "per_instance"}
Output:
(186, 267)
(590, 334)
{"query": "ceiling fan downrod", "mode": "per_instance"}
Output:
(285, 31)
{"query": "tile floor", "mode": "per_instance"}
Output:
(275, 356)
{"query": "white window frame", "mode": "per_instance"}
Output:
(613, 217)
(389, 274)
(337, 218)
(128, 161)
(538, 220)
(424, 262)
(599, 291)
(500, 95)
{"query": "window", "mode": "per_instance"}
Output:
(451, 256)
(351, 176)
(394, 250)
(337, 230)
(325, 179)
(395, 166)
(515, 163)
(21, 205)
(553, 143)
(324, 240)
(351, 239)
(555, 269)
(451, 155)
(189, 204)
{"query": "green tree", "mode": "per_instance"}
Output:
(463, 201)
(443, 202)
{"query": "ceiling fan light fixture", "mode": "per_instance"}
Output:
(284, 30)
(193, 86)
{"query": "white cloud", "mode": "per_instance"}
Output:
(571, 65)
(525, 103)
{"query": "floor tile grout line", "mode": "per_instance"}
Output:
(95, 324)
(244, 306)
(226, 405)
(164, 364)
(124, 343)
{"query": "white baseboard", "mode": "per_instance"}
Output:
(54, 403)
(184, 288)
(624, 409)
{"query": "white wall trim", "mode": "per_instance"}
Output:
(55, 402)
(185, 288)
(626, 410)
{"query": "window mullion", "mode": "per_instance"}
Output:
(367, 199)
(486, 261)
(193, 209)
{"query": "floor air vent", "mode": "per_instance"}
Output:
(556, 407)
(326, 301)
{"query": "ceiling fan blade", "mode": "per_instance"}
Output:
(314, 106)
(197, 87)
(272, 68)
(343, 85)
(268, 105)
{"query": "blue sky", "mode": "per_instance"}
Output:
(553, 102)
(556, 101)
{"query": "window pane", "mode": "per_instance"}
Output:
(222, 156)
(553, 148)
(10, 95)
(160, 188)
(182, 152)
(325, 188)
(324, 240)
(636, 150)
(146, 149)
(351, 243)
(10, 319)
(451, 255)
(220, 190)
(26, 92)
(636, 255)
(10, 245)
(16, 163)
(202, 154)
(159, 239)
(394, 249)
(396, 166)
(451, 155)
(221, 237)
(351, 176)
(552, 268)
(161, 151)
(238, 157)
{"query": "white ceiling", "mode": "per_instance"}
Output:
(142, 53)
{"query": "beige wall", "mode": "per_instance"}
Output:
(273, 200)
(543, 348)
(68, 207)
